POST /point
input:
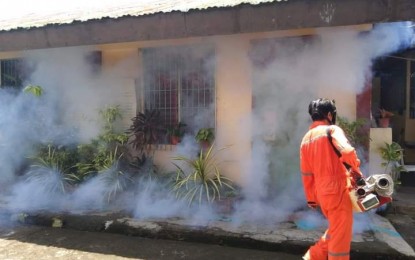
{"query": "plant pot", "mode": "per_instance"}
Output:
(174, 140)
(384, 122)
(407, 179)
(226, 206)
(205, 145)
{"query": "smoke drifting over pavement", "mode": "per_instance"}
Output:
(287, 74)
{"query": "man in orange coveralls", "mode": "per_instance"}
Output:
(326, 180)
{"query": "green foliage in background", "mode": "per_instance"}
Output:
(106, 149)
(354, 131)
(205, 134)
(392, 156)
(104, 154)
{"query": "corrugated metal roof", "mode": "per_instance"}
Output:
(29, 14)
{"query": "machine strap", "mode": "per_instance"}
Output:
(328, 132)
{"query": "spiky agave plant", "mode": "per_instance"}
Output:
(51, 169)
(114, 179)
(200, 178)
(49, 179)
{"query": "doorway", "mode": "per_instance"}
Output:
(393, 89)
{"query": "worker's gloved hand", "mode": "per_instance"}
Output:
(312, 205)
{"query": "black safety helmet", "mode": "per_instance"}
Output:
(319, 109)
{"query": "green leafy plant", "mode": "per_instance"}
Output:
(107, 166)
(34, 89)
(114, 177)
(205, 135)
(56, 168)
(354, 130)
(199, 178)
(109, 115)
(50, 180)
(52, 167)
(116, 181)
(96, 155)
(392, 156)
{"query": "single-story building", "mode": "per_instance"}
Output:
(247, 68)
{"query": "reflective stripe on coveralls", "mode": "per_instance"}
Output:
(326, 183)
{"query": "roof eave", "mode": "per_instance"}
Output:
(213, 21)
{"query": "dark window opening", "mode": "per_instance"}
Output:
(179, 83)
(94, 59)
(12, 73)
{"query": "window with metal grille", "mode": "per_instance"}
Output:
(179, 83)
(11, 73)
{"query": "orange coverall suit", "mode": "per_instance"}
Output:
(327, 183)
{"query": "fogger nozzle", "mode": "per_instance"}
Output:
(361, 191)
(382, 184)
(376, 191)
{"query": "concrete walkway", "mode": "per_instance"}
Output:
(381, 241)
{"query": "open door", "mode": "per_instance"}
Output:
(409, 131)
(394, 90)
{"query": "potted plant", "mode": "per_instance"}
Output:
(176, 132)
(226, 204)
(385, 117)
(205, 137)
(146, 130)
(392, 156)
(200, 178)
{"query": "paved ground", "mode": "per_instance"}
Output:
(382, 241)
(34, 242)
(402, 214)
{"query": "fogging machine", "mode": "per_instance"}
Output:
(373, 192)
